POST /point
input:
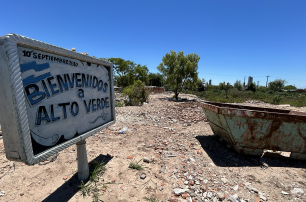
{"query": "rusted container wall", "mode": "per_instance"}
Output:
(250, 130)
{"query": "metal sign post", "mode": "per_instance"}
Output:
(83, 168)
(51, 98)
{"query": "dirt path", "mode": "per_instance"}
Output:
(185, 157)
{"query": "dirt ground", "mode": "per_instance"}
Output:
(187, 162)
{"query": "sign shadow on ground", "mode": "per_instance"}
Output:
(70, 187)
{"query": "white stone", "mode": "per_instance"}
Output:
(285, 193)
(146, 159)
(224, 180)
(191, 159)
(220, 195)
(235, 196)
(178, 191)
(235, 187)
(297, 191)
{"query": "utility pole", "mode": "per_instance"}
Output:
(267, 82)
(244, 83)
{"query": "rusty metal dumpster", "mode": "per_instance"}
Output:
(251, 130)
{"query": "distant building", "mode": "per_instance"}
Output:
(250, 80)
(210, 82)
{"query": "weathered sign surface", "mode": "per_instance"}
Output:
(51, 97)
(250, 130)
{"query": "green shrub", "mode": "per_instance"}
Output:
(137, 94)
(276, 100)
(235, 93)
(299, 103)
(118, 104)
(261, 89)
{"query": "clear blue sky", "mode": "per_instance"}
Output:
(234, 38)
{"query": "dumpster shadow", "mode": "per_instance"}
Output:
(223, 156)
(70, 187)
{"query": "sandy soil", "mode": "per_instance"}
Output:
(183, 153)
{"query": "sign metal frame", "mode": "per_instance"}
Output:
(13, 113)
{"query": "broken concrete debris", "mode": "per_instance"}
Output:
(182, 162)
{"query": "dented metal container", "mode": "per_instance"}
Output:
(251, 130)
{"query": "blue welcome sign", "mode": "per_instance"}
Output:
(52, 98)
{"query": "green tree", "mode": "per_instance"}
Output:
(238, 85)
(277, 84)
(124, 71)
(178, 69)
(251, 86)
(200, 84)
(155, 79)
(290, 87)
(141, 73)
(222, 86)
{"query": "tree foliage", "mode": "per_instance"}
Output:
(262, 89)
(179, 69)
(200, 84)
(290, 87)
(251, 86)
(238, 85)
(141, 73)
(127, 72)
(222, 86)
(155, 79)
(277, 85)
